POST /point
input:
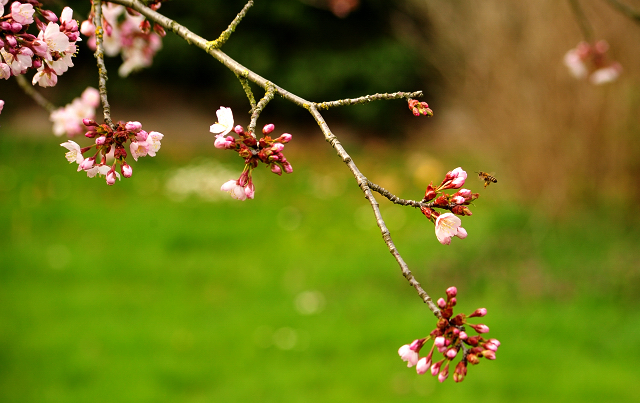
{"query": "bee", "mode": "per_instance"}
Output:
(486, 178)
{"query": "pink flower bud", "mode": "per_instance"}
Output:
(238, 129)
(489, 355)
(126, 170)
(87, 164)
(250, 190)
(463, 336)
(480, 328)
(268, 128)
(111, 177)
(494, 341)
(87, 28)
(458, 199)
(453, 301)
(490, 346)
(451, 292)
(89, 122)
(277, 147)
(287, 167)
(276, 169)
(101, 140)
(284, 138)
(49, 15)
(443, 376)
(423, 365)
(133, 126)
(439, 341)
(435, 368)
(451, 353)
(478, 313)
(441, 303)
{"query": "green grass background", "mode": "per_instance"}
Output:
(125, 294)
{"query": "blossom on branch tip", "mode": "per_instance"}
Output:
(234, 189)
(590, 61)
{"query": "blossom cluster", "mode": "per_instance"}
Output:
(252, 150)
(419, 108)
(590, 61)
(447, 225)
(112, 143)
(69, 119)
(49, 52)
(126, 32)
(450, 339)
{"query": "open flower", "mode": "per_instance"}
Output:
(75, 153)
(447, 226)
(224, 124)
(234, 189)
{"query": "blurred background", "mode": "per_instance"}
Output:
(162, 288)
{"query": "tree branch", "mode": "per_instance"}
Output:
(102, 69)
(368, 98)
(626, 10)
(312, 107)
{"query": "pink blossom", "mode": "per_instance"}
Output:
(234, 189)
(19, 62)
(1, 105)
(435, 368)
(46, 77)
(225, 122)
(447, 226)
(56, 41)
(111, 177)
(250, 190)
(575, 64)
(127, 171)
(91, 97)
(133, 126)
(480, 328)
(223, 142)
(22, 13)
(75, 153)
(480, 312)
(66, 15)
(606, 74)
(2, 4)
(153, 143)
(409, 355)
(69, 119)
(423, 365)
(87, 164)
(138, 149)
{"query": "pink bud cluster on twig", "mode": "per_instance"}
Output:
(253, 151)
(450, 339)
(447, 224)
(590, 61)
(112, 143)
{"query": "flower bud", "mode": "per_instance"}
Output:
(268, 128)
(126, 170)
(441, 303)
(430, 193)
(423, 365)
(87, 28)
(284, 138)
(451, 292)
(133, 126)
(238, 129)
(101, 140)
(478, 313)
(49, 15)
(489, 355)
(89, 122)
(111, 177)
(276, 169)
(287, 167)
(480, 328)
(451, 353)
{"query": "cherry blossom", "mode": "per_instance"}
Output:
(224, 125)
(75, 152)
(22, 13)
(234, 189)
(447, 226)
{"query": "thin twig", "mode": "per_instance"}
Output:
(583, 22)
(224, 36)
(368, 98)
(396, 200)
(247, 90)
(268, 96)
(29, 90)
(626, 10)
(102, 69)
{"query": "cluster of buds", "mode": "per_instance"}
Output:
(69, 119)
(253, 150)
(587, 60)
(450, 339)
(419, 108)
(49, 52)
(132, 36)
(112, 143)
(447, 225)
